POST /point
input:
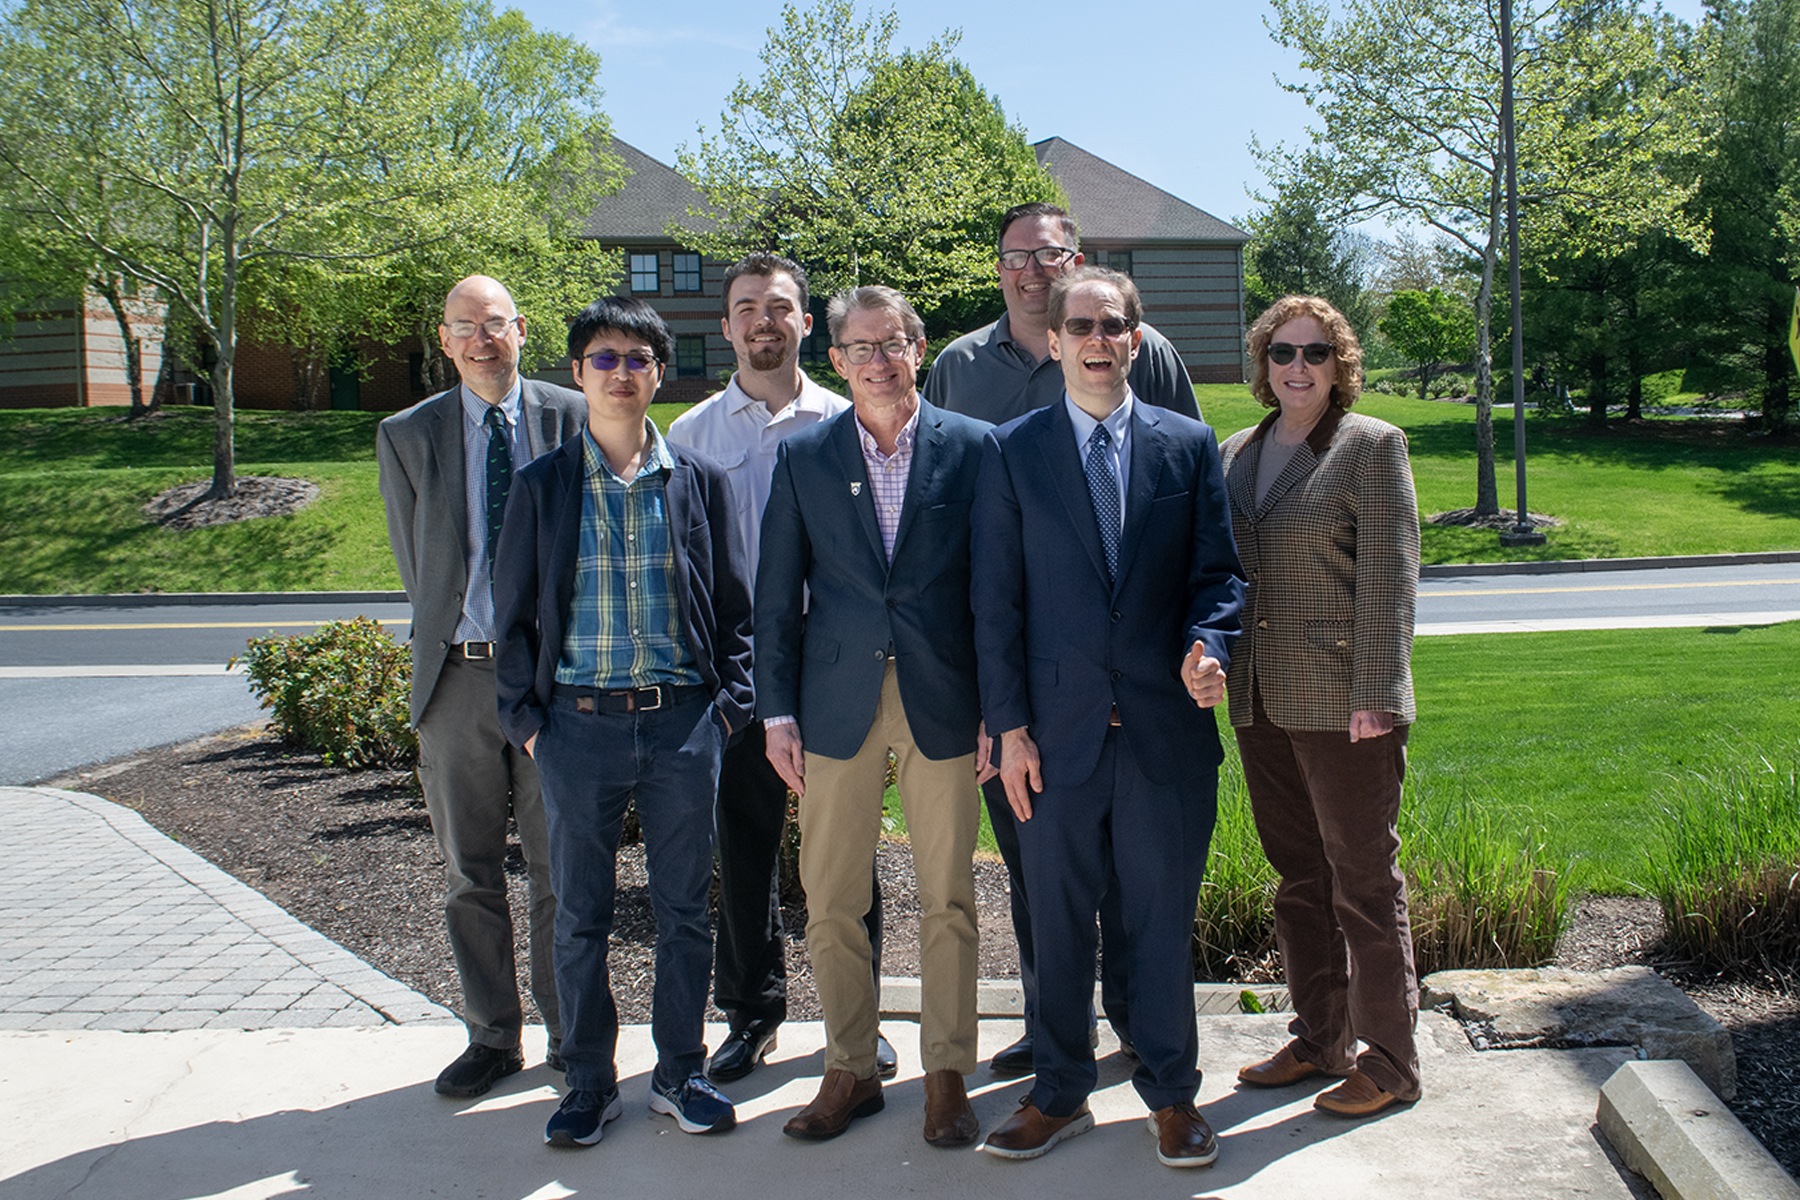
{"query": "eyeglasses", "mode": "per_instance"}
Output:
(861, 352)
(609, 360)
(1112, 327)
(1047, 256)
(1282, 353)
(495, 326)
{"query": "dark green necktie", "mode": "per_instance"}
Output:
(499, 476)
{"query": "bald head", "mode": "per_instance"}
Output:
(482, 334)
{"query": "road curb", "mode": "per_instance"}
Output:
(180, 599)
(1575, 565)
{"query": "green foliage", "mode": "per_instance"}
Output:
(864, 165)
(1234, 926)
(242, 152)
(1430, 329)
(1726, 869)
(1408, 92)
(343, 691)
(1294, 250)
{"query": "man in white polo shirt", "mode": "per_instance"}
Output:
(768, 399)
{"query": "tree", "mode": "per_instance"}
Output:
(195, 145)
(1409, 95)
(1751, 190)
(1294, 250)
(1429, 328)
(864, 165)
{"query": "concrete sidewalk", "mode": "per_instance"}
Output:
(172, 1034)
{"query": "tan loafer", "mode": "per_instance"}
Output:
(1357, 1096)
(1283, 1069)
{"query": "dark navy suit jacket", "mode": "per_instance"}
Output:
(824, 664)
(1058, 645)
(534, 582)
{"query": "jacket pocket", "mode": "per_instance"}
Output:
(822, 648)
(1329, 635)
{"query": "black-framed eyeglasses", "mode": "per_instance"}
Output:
(1282, 353)
(1047, 256)
(861, 352)
(1112, 327)
(609, 360)
(495, 327)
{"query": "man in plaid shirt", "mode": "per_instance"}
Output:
(623, 616)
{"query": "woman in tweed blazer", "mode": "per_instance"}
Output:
(1321, 698)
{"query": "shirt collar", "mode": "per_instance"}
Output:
(657, 459)
(1116, 424)
(476, 409)
(902, 442)
(812, 398)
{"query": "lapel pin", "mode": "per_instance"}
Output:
(856, 487)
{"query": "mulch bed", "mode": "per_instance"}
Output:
(350, 853)
(187, 506)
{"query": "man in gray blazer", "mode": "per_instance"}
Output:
(446, 467)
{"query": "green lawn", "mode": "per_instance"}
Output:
(1664, 487)
(1573, 735)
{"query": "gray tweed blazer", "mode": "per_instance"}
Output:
(1332, 559)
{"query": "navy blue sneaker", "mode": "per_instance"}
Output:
(696, 1105)
(582, 1119)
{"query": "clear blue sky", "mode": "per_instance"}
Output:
(1170, 91)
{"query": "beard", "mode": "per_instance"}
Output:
(769, 357)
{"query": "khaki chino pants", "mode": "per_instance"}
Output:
(840, 823)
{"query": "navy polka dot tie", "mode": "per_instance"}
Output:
(1103, 486)
(499, 476)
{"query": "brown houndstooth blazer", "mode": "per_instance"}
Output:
(1332, 559)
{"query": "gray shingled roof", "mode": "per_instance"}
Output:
(653, 195)
(1113, 204)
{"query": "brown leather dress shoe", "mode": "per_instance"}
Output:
(1284, 1068)
(1357, 1096)
(1183, 1138)
(1028, 1133)
(949, 1117)
(842, 1098)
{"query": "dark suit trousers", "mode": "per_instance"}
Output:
(1147, 841)
(1112, 972)
(750, 971)
(1327, 812)
(473, 781)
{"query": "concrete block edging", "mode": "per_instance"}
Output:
(1670, 1128)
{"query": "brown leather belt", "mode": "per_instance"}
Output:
(474, 651)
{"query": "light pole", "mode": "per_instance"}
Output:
(1523, 532)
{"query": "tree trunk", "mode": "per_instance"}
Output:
(1597, 384)
(1487, 494)
(224, 480)
(108, 286)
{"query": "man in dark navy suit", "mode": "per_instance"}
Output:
(1106, 605)
(869, 513)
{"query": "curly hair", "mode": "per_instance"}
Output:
(1346, 383)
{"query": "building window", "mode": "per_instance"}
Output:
(1119, 260)
(687, 272)
(645, 276)
(690, 354)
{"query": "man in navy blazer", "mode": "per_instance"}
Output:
(869, 513)
(1105, 610)
(623, 617)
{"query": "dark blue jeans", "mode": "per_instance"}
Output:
(592, 766)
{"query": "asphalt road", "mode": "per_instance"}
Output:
(84, 684)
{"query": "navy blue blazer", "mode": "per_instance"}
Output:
(824, 664)
(1058, 646)
(534, 583)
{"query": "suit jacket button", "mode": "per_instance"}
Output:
(1117, 675)
(881, 656)
(1262, 624)
(1118, 616)
(893, 603)
(443, 645)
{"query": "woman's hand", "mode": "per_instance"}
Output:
(1366, 724)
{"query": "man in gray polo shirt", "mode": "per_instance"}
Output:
(998, 373)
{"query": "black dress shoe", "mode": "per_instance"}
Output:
(742, 1051)
(887, 1063)
(1014, 1060)
(476, 1069)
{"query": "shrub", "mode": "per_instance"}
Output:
(1727, 871)
(344, 691)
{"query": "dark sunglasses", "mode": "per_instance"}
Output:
(1111, 327)
(608, 360)
(1315, 353)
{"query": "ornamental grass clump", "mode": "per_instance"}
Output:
(1727, 870)
(1234, 926)
(344, 691)
(1479, 894)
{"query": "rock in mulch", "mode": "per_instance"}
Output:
(1626, 1006)
(187, 506)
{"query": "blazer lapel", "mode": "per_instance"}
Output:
(1057, 444)
(447, 444)
(922, 478)
(531, 415)
(861, 496)
(568, 486)
(678, 491)
(1149, 446)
